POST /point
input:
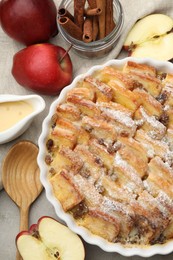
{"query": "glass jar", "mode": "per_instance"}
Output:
(97, 48)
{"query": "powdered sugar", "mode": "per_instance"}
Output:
(128, 169)
(88, 190)
(156, 126)
(119, 116)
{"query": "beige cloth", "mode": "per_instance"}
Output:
(133, 10)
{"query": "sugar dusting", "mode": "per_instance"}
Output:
(88, 190)
(119, 116)
(158, 128)
(130, 171)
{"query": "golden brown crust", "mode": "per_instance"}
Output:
(139, 68)
(150, 104)
(110, 154)
(100, 224)
(65, 190)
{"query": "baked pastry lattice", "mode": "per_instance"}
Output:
(110, 154)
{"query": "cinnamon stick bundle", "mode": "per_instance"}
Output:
(102, 17)
(71, 27)
(109, 23)
(79, 12)
(90, 22)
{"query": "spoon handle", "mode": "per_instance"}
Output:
(24, 213)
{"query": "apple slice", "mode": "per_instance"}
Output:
(149, 27)
(49, 240)
(160, 48)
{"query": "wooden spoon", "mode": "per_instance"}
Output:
(21, 178)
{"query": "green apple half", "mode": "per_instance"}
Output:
(49, 240)
(151, 37)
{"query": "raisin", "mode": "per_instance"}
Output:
(98, 161)
(161, 76)
(48, 159)
(162, 97)
(145, 177)
(164, 119)
(49, 144)
(52, 170)
(112, 148)
(80, 210)
(101, 141)
(53, 120)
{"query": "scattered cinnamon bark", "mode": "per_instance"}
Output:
(92, 20)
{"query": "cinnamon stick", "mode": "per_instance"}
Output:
(70, 27)
(79, 12)
(110, 24)
(93, 11)
(92, 3)
(102, 5)
(95, 28)
(88, 30)
(64, 12)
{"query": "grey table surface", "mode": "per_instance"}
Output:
(9, 213)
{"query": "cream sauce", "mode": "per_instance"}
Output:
(12, 112)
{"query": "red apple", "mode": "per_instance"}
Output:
(39, 67)
(48, 239)
(28, 21)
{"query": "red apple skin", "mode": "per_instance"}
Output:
(37, 67)
(29, 21)
(22, 233)
(33, 228)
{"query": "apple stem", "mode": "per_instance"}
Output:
(67, 51)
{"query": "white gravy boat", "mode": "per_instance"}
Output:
(38, 105)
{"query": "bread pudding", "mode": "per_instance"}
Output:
(110, 154)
